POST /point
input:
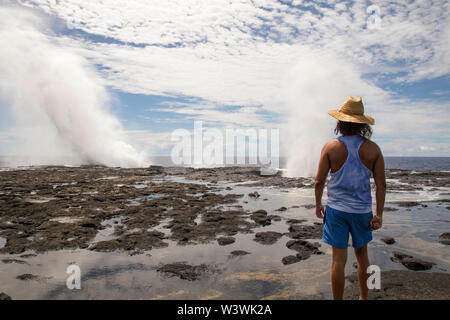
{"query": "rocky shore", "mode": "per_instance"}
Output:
(133, 211)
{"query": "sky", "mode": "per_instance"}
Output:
(260, 64)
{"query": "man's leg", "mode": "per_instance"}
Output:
(363, 263)
(337, 272)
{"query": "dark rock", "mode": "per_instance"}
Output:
(267, 237)
(295, 221)
(13, 261)
(388, 240)
(261, 211)
(410, 262)
(260, 217)
(398, 256)
(407, 203)
(274, 217)
(309, 206)
(304, 248)
(138, 241)
(387, 209)
(4, 296)
(28, 276)
(305, 232)
(445, 238)
(282, 209)
(254, 195)
(153, 170)
(185, 271)
(239, 253)
(290, 259)
(223, 241)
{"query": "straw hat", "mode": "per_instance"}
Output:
(352, 111)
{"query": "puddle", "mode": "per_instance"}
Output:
(2, 242)
(67, 219)
(56, 185)
(39, 200)
(137, 201)
(108, 178)
(107, 233)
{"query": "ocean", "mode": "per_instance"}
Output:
(418, 163)
(405, 163)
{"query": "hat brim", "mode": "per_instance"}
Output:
(351, 118)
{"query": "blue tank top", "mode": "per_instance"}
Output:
(349, 188)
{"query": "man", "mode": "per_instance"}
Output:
(351, 159)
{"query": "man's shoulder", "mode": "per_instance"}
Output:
(333, 143)
(369, 144)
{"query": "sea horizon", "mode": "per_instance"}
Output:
(418, 163)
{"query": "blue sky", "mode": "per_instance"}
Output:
(264, 64)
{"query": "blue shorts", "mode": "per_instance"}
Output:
(338, 225)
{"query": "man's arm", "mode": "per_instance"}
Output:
(322, 172)
(380, 193)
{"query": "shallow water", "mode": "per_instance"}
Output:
(258, 275)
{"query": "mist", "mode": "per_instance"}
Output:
(53, 100)
(316, 83)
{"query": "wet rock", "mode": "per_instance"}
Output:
(407, 203)
(239, 253)
(274, 217)
(260, 217)
(304, 248)
(305, 232)
(410, 262)
(28, 255)
(223, 241)
(13, 261)
(295, 221)
(261, 211)
(28, 276)
(185, 271)
(282, 209)
(154, 170)
(4, 296)
(388, 240)
(290, 259)
(399, 256)
(139, 241)
(89, 225)
(445, 238)
(387, 209)
(254, 195)
(267, 237)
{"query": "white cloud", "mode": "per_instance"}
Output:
(288, 60)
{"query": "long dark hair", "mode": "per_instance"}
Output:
(353, 129)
